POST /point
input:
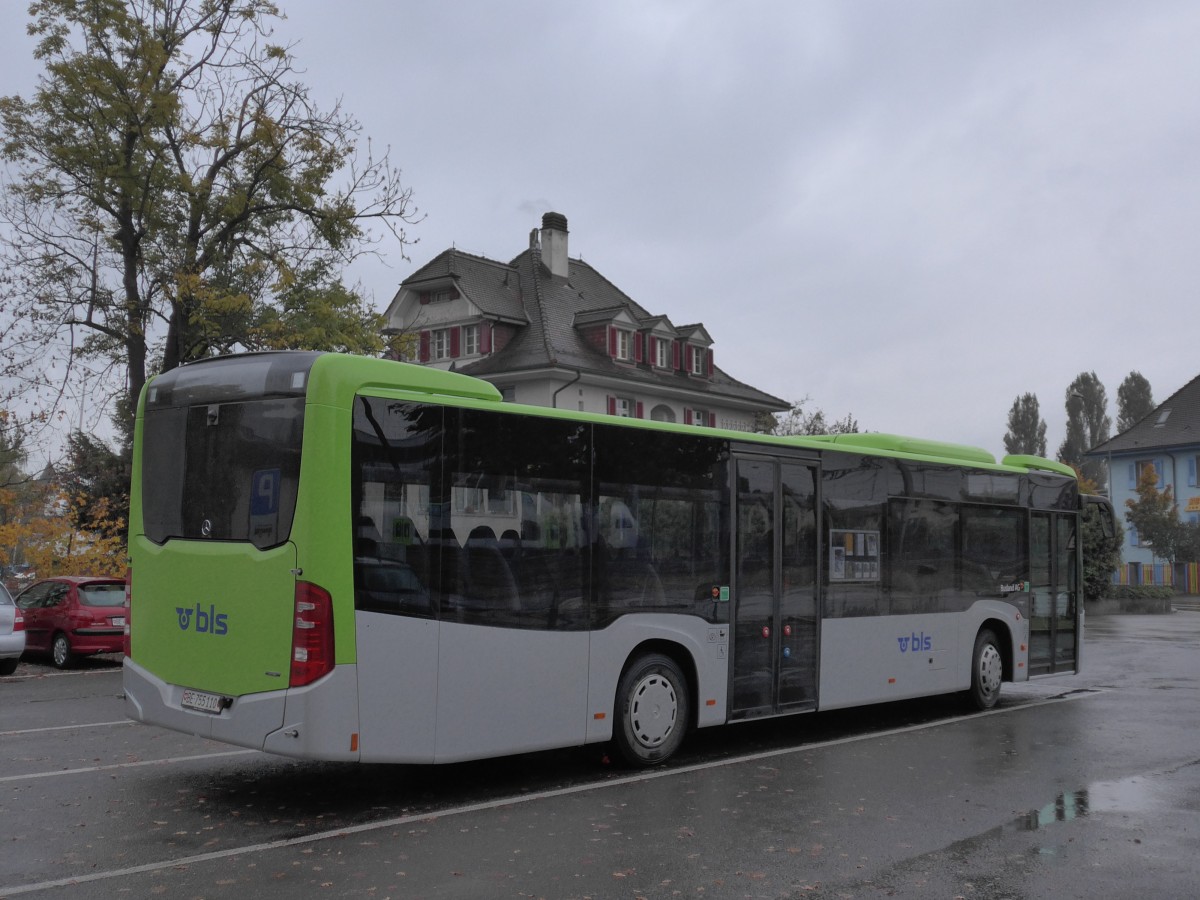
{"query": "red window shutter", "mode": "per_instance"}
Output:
(637, 348)
(710, 362)
(687, 417)
(454, 294)
(612, 405)
(424, 346)
(424, 295)
(675, 360)
(612, 341)
(712, 420)
(485, 337)
(455, 342)
(652, 349)
(638, 412)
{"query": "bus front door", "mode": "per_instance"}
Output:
(775, 588)
(1053, 620)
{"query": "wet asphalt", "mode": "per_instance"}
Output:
(1085, 786)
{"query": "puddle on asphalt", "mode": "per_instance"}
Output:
(1130, 795)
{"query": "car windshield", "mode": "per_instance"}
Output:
(109, 593)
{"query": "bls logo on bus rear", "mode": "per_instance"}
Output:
(206, 621)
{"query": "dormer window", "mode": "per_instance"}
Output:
(698, 361)
(441, 295)
(623, 344)
(662, 353)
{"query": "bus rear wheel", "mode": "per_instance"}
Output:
(987, 671)
(653, 709)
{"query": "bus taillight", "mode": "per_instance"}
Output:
(312, 634)
(126, 643)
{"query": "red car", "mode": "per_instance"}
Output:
(72, 616)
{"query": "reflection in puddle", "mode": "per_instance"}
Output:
(1135, 794)
(1066, 806)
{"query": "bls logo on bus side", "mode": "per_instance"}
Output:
(916, 642)
(207, 621)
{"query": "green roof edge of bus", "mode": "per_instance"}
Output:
(1023, 461)
(381, 373)
(898, 443)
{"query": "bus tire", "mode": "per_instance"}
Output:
(987, 671)
(653, 710)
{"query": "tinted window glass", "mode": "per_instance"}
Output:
(922, 538)
(662, 524)
(396, 464)
(512, 513)
(478, 514)
(112, 594)
(32, 597)
(222, 471)
(856, 489)
(994, 561)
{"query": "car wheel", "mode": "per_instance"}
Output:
(8, 666)
(60, 651)
(653, 710)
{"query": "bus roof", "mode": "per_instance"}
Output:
(338, 377)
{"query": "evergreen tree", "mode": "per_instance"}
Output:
(1088, 425)
(96, 486)
(1134, 401)
(1026, 428)
(1101, 553)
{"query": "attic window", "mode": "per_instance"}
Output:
(1162, 418)
(441, 295)
(662, 353)
(622, 339)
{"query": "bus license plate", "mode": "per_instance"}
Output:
(202, 702)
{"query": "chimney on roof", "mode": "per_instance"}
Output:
(554, 243)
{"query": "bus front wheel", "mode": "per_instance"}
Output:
(653, 708)
(987, 671)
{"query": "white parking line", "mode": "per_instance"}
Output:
(518, 800)
(129, 765)
(67, 727)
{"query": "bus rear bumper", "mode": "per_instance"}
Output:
(274, 721)
(246, 723)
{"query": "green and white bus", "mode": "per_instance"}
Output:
(344, 558)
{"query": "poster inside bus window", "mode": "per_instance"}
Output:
(853, 555)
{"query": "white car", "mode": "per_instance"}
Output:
(12, 633)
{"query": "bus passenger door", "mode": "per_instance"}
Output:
(1053, 615)
(775, 588)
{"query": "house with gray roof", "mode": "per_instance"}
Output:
(1169, 440)
(549, 330)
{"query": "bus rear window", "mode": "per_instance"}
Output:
(222, 471)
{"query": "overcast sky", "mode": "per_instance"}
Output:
(912, 212)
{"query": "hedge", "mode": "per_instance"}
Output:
(1139, 592)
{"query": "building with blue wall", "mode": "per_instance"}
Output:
(1169, 440)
